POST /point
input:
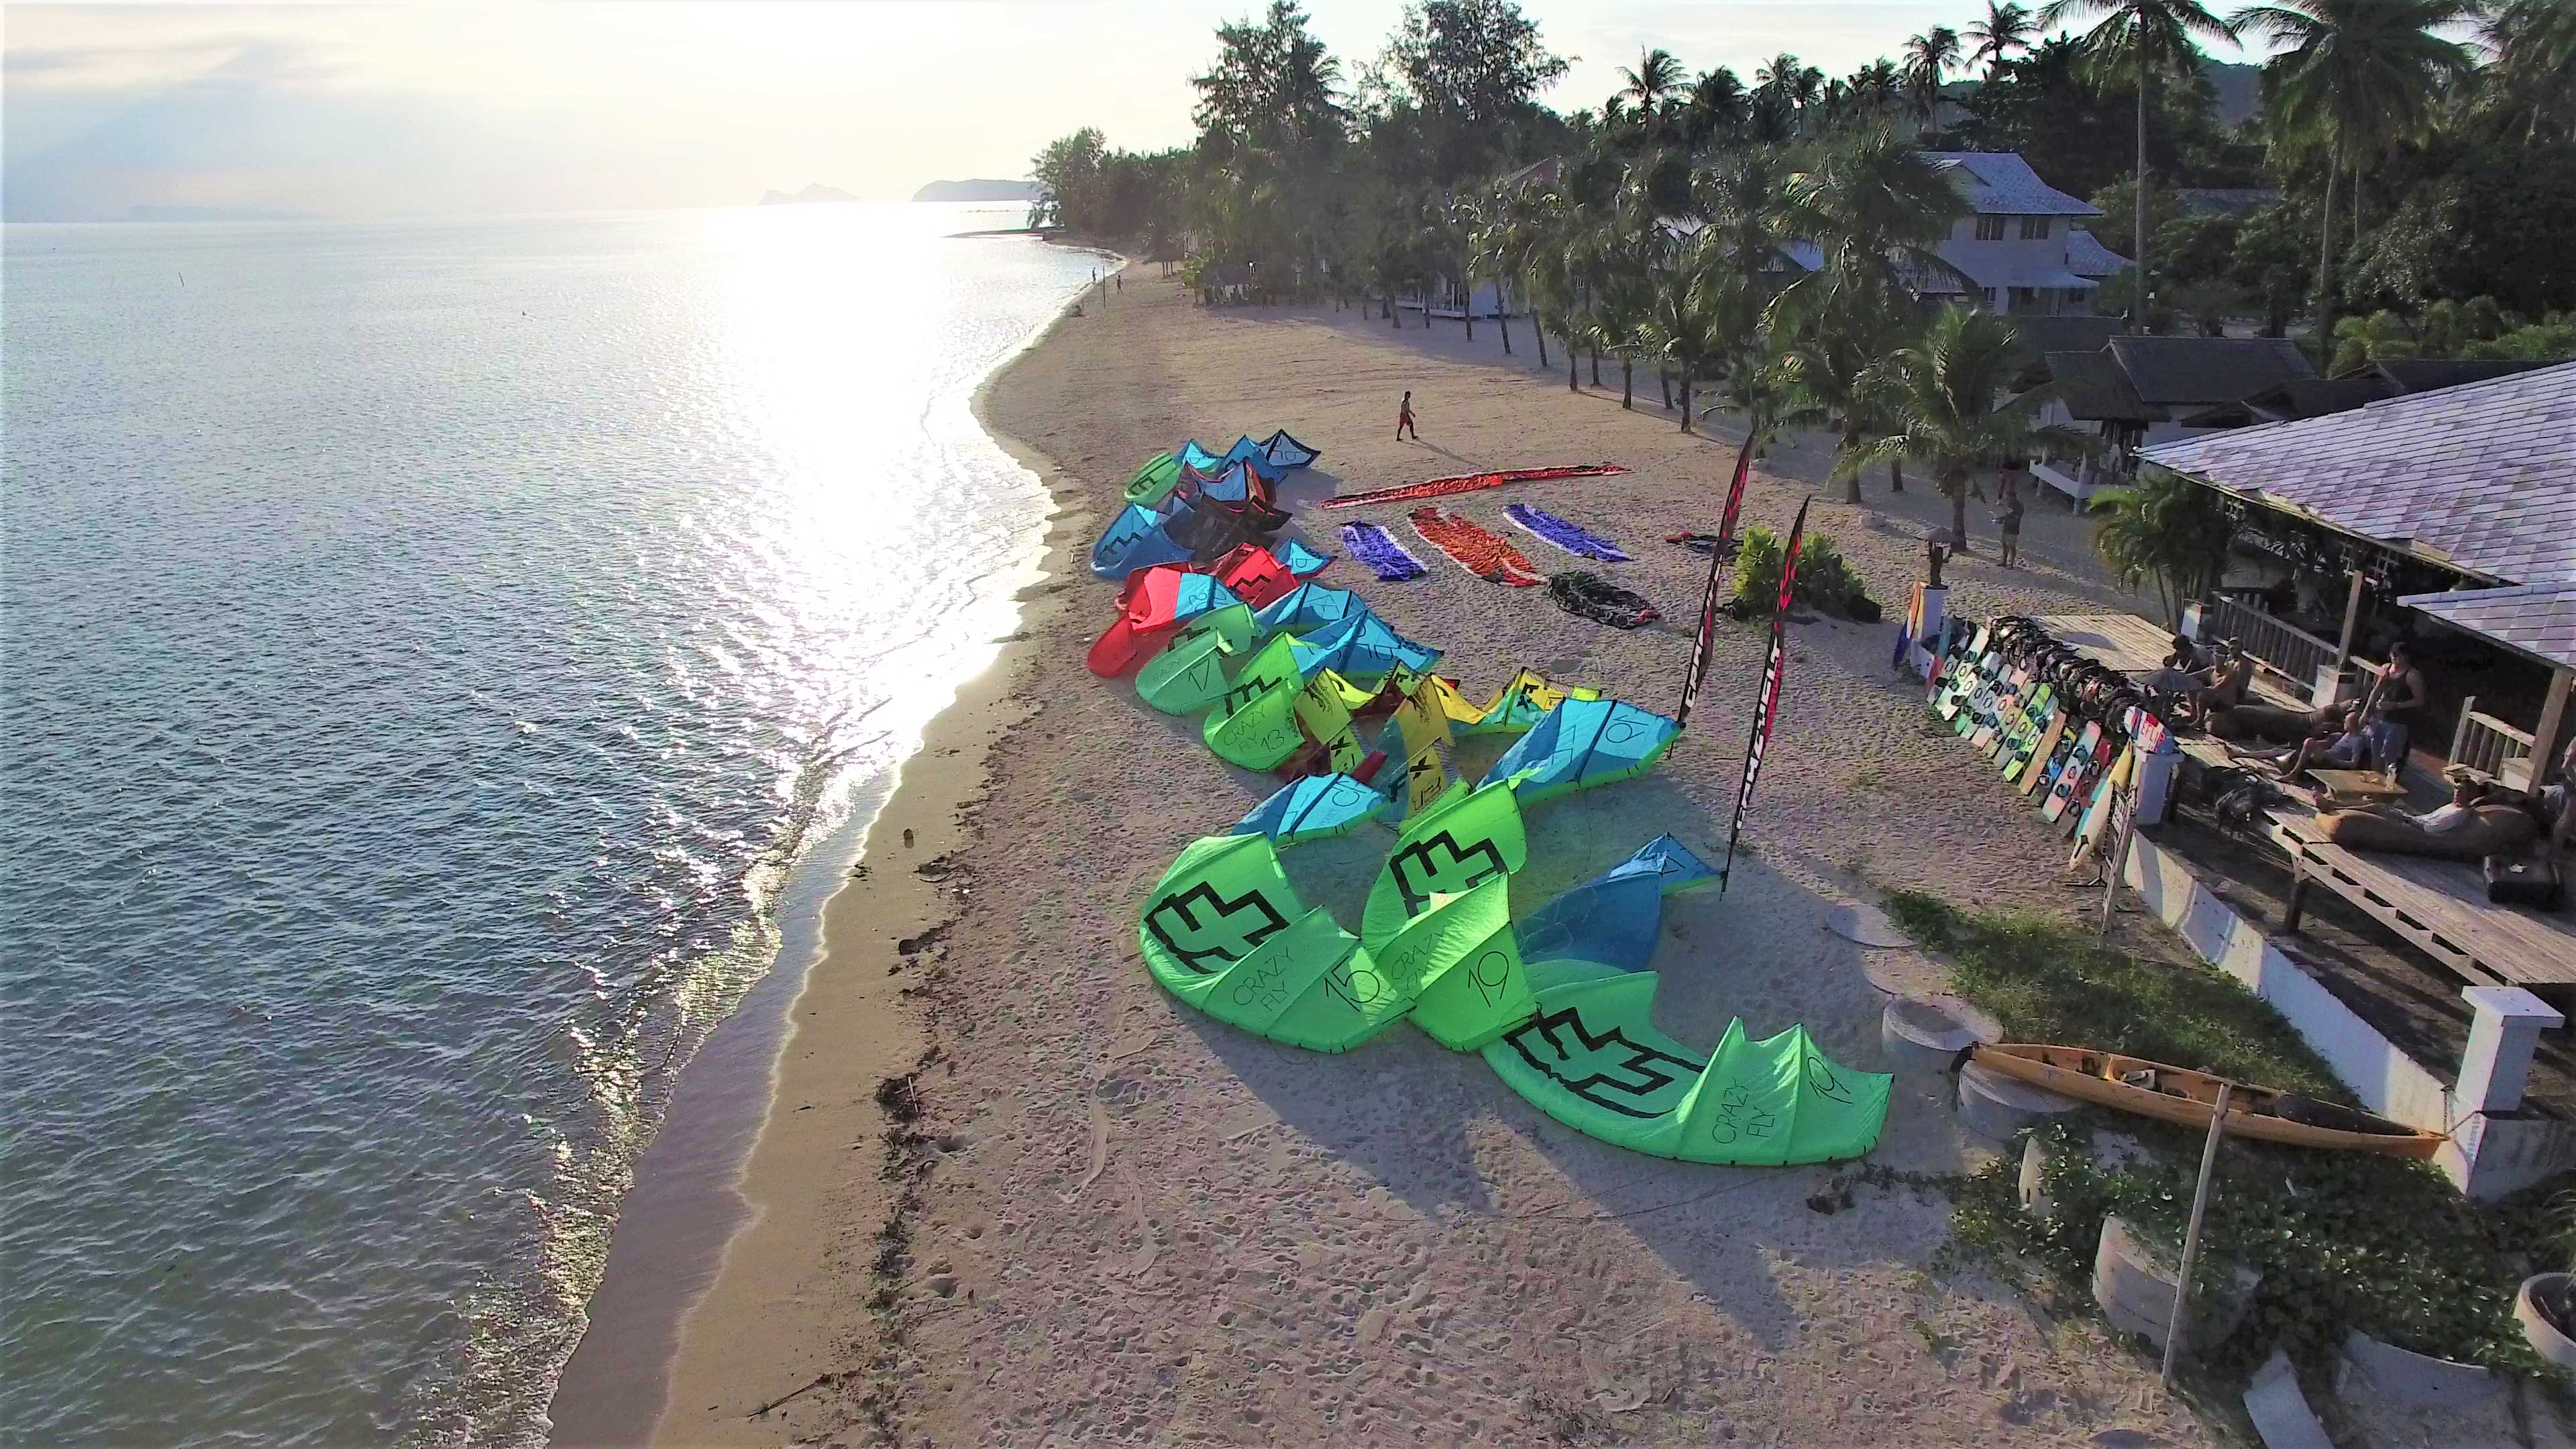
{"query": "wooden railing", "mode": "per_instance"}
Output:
(2284, 648)
(2491, 747)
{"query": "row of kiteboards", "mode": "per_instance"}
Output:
(2042, 746)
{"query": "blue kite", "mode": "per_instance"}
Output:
(1614, 917)
(1135, 539)
(1308, 608)
(1314, 808)
(1582, 743)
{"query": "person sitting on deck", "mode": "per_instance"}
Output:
(2468, 792)
(2233, 676)
(2184, 668)
(2344, 746)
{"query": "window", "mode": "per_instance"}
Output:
(1990, 296)
(2024, 298)
(1990, 228)
(2034, 228)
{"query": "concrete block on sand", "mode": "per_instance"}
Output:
(2419, 1381)
(1998, 1107)
(2134, 1283)
(2280, 1412)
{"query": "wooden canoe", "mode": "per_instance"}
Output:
(2186, 1098)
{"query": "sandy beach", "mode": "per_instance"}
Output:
(1119, 1221)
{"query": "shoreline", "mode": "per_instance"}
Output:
(851, 1024)
(1119, 1221)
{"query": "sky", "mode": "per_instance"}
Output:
(454, 110)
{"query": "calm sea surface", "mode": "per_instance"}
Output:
(431, 654)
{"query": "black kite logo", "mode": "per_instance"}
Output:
(1603, 1068)
(1439, 865)
(1217, 927)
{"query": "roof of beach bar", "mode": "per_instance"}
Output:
(2479, 479)
(2536, 620)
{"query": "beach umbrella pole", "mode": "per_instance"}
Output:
(2191, 1235)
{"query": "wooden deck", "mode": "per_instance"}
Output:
(2136, 647)
(2440, 906)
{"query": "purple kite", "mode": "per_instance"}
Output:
(1567, 536)
(1374, 546)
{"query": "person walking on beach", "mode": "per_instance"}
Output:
(2008, 523)
(1404, 419)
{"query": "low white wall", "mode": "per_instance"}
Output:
(2487, 1156)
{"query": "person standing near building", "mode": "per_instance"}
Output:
(2398, 700)
(1404, 419)
(2008, 524)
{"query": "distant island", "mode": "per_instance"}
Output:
(212, 213)
(816, 192)
(980, 190)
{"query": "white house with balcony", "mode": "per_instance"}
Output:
(2021, 249)
(2023, 244)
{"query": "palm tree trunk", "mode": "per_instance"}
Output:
(1958, 490)
(1467, 307)
(1503, 317)
(1541, 334)
(1596, 367)
(1664, 379)
(2325, 272)
(1686, 400)
(1627, 382)
(1394, 314)
(1896, 475)
(2139, 322)
(1573, 383)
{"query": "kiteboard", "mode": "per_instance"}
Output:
(2024, 740)
(2037, 766)
(2070, 771)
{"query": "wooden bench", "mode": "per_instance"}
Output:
(2439, 906)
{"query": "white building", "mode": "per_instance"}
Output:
(2023, 243)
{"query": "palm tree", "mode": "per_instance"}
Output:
(2535, 48)
(2144, 40)
(1655, 76)
(1927, 56)
(2356, 77)
(1715, 110)
(2167, 528)
(1494, 248)
(1942, 399)
(2005, 29)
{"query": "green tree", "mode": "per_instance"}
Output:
(2355, 78)
(2168, 529)
(2006, 28)
(2147, 41)
(1943, 402)
(1475, 67)
(1928, 57)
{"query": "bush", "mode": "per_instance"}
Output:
(1757, 573)
(1826, 581)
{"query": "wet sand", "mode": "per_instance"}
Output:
(1122, 1222)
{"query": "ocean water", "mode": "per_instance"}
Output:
(429, 654)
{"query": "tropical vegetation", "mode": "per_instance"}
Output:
(2402, 183)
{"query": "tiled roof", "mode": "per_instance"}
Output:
(2042, 333)
(2538, 619)
(2201, 371)
(2094, 389)
(2087, 257)
(2423, 374)
(2479, 478)
(2002, 182)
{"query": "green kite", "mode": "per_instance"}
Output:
(1225, 932)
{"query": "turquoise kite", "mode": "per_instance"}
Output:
(1200, 460)
(1302, 561)
(1615, 918)
(1581, 743)
(1308, 608)
(1314, 808)
(1135, 539)
(1362, 649)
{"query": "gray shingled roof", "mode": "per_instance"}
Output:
(2087, 257)
(2186, 372)
(2538, 619)
(2479, 478)
(2002, 182)
(2095, 390)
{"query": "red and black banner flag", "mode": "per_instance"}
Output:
(1773, 667)
(1716, 569)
